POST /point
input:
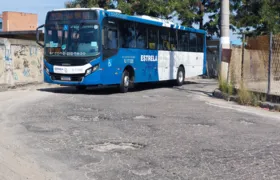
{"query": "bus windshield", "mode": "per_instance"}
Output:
(72, 39)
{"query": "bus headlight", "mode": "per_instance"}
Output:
(92, 69)
(95, 68)
(47, 70)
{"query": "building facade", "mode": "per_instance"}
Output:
(18, 21)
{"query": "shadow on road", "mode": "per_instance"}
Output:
(199, 87)
(110, 90)
(196, 91)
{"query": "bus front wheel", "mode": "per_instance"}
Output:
(125, 82)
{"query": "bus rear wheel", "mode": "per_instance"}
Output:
(180, 76)
(125, 82)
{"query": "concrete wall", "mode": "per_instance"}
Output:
(21, 61)
(19, 21)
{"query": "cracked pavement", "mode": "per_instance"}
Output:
(155, 132)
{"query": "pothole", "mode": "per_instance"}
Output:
(142, 171)
(144, 117)
(202, 124)
(111, 146)
(245, 122)
(87, 118)
(103, 117)
(82, 119)
(87, 109)
(150, 96)
(37, 129)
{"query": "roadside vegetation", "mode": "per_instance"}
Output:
(240, 93)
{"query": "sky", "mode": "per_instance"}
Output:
(41, 7)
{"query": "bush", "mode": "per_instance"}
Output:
(245, 97)
(225, 87)
(249, 98)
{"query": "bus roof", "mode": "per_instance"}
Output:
(136, 18)
(79, 9)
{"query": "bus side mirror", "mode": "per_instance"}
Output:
(38, 35)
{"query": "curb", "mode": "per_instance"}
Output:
(219, 94)
(270, 106)
(265, 105)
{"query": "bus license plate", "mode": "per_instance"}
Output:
(64, 78)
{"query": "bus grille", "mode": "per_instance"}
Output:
(67, 62)
(67, 77)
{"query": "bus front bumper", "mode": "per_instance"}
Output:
(91, 79)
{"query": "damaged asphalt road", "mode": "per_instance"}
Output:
(148, 134)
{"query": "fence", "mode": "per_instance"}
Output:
(257, 63)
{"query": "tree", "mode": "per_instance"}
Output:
(91, 3)
(189, 12)
(258, 17)
(205, 13)
(156, 8)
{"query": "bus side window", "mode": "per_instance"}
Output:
(141, 36)
(127, 34)
(164, 43)
(173, 40)
(109, 38)
(183, 40)
(112, 39)
(193, 43)
(200, 43)
(152, 38)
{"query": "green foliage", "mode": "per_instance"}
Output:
(156, 8)
(230, 89)
(245, 97)
(257, 17)
(193, 11)
(89, 3)
(188, 11)
(225, 87)
(262, 16)
(250, 98)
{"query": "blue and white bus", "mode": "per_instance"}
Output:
(96, 47)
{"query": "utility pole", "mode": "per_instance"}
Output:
(225, 40)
